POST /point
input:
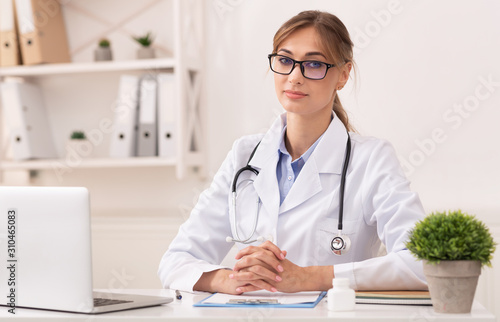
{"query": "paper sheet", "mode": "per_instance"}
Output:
(283, 298)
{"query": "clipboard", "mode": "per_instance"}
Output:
(247, 301)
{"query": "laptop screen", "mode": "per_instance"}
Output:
(45, 247)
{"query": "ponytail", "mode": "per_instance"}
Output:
(342, 114)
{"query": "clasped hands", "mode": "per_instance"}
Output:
(265, 267)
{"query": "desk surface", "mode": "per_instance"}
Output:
(184, 310)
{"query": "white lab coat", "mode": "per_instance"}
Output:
(378, 206)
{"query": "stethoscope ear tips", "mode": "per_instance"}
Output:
(229, 239)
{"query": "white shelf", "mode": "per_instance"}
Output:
(90, 67)
(89, 163)
(64, 93)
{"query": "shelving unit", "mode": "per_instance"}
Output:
(91, 163)
(185, 65)
(89, 67)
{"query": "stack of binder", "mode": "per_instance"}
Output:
(29, 131)
(123, 141)
(145, 117)
(167, 115)
(147, 141)
(10, 54)
(32, 32)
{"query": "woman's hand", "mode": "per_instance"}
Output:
(259, 266)
(257, 269)
(268, 264)
(266, 267)
(219, 281)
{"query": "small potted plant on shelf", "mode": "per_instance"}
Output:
(453, 246)
(78, 135)
(103, 51)
(145, 51)
(78, 145)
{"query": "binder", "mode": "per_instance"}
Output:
(123, 141)
(42, 33)
(167, 115)
(394, 297)
(147, 139)
(10, 54)
(27, 122)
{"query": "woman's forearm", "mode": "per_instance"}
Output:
(212, 281)
(318, 278)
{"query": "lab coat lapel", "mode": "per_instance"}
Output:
(265, 160)
(266, 186)
(330, 152)
(307, 185)
(327, 157)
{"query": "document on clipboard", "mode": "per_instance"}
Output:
(263, 298)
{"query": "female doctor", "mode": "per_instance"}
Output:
(296, 224)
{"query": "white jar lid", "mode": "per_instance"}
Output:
(340, 282)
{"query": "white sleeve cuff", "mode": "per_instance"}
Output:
(188, 277)
(346, 271)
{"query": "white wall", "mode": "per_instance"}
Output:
(414, 68)
(429, 82)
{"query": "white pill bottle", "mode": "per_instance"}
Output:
(341, 297)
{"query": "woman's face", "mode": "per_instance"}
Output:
(298, 94)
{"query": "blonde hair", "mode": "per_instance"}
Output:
(334, 38)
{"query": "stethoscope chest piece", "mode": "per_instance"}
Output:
(340, 244)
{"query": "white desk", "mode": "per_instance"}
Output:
(183, 310)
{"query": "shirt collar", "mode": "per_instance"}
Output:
(283, 150)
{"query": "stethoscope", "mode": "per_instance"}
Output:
(340, 244)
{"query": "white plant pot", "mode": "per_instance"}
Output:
(145, 53)
(103, 54)
(452, 285)
(78, 149)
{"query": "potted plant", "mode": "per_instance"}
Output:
(78, 145)
(453, 246)
(145, 51)
(103, 51)
(78, 135)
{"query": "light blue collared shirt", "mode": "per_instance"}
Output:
(288, 171)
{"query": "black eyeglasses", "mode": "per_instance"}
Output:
(310, 69)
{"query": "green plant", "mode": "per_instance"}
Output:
(451, 236)
(78, 135)
(145, 40)
(104, 43)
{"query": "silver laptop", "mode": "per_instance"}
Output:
(45, 253)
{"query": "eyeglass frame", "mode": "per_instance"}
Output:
(295, 62)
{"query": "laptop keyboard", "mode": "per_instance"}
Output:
(103, 302)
